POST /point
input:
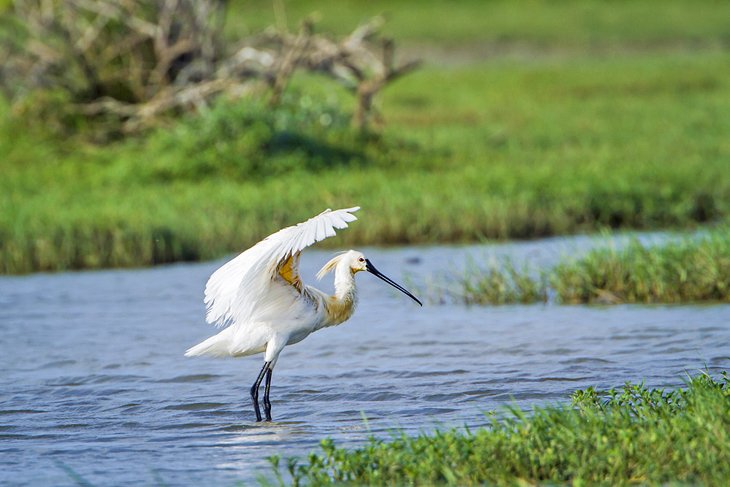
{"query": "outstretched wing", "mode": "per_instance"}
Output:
(236, 289)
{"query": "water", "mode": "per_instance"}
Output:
(94, 387)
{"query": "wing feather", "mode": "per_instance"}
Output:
(238, 288)
(322, 230)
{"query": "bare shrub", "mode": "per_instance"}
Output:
(133, 61)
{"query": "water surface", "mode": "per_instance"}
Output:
(95, 388)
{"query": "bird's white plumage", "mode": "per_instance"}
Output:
(244, 289)
(261, 300)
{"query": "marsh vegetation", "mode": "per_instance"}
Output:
(686, 269)
(634, 435)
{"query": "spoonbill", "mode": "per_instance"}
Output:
(260, 298)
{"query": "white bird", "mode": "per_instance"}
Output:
(262, 301)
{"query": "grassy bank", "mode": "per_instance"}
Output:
(687, 270)
(631, 436)
(497, 148)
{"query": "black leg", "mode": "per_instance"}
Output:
(267, 389)
(255, 390)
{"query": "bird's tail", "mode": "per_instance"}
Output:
(215, 346)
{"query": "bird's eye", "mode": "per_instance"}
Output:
(361, 259)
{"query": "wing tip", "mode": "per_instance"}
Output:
(352, 209)
(349, 212)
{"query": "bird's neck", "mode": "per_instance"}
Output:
(341, 305)
(344, 283)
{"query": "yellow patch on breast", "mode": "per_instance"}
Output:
(338, 310)
(289, 271)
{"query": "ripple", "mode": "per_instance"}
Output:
(197, 406)
(707, 329)
(380, 396)
(237, 428)
(325, 396)
(438, 397)
(561, 379)
(57, 364)
(190, 378)
(536, 395)
(673, 350)
(21, 411)
(430, 373)
(71, 426)
(560, 351)
(484, 392)
(92, 379)
(128, 406)
(427, 411)
(183, 426)
(41, 436)
(585, 360)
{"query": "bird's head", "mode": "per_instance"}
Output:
(356, 262)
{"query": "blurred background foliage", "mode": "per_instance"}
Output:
(122, 66)
(526, 119)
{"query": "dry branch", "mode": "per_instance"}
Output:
(137, 60)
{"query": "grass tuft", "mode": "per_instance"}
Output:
(500, 283)
(676, 272)
(688, 270)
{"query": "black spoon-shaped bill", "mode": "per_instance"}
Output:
(372, 270)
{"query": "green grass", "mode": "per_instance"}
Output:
(581, 24)
(632, 436)
(504, 148)
(522, 151)
(498, 283)
(685, 270)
